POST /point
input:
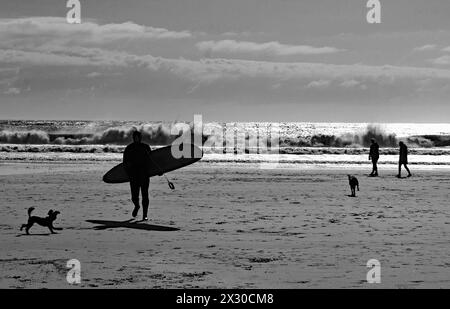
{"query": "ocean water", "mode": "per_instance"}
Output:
(284, 143)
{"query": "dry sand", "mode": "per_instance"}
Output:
(227, 226)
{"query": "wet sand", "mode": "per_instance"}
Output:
(227, 226)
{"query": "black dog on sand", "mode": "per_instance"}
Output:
(47, 221)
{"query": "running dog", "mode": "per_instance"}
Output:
(47, 221)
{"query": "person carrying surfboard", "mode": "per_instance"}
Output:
(136, 159)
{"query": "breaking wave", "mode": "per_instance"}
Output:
(346, 140)
(154, 134)
(24, 137)
(111, 137)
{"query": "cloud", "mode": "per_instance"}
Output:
(233, 68)
(350, 83)
(12, 91)
(94, 74)
(237, 34)
(269, 48)
(318, 84)
(444, 60)
(210, 70)
(36, 31)
(427, 47)
(42, 58)
(446, 49)
(61, 58)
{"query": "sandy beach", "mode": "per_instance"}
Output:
(227, 226)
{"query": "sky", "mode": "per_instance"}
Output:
(228, 60)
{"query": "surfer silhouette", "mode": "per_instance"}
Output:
(374, 155)
(136, 159)
(403, 160)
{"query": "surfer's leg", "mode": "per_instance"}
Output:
(134, 185)
(407, 169)
(145, 200)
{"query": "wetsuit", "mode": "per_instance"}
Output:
(136, 159)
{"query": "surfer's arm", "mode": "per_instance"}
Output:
(148, 151)
(126, 159)
(125, 156)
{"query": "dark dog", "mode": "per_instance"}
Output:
(354, 183)
(47, 221)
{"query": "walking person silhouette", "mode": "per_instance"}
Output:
(403, 160)
(136, 159)
(374, 155)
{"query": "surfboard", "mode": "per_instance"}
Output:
(162, 161)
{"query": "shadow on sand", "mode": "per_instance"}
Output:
(22, 235)
(129, 224)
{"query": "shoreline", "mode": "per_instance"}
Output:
(15, 167)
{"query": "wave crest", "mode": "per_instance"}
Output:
(24, 137)
(154, 134)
